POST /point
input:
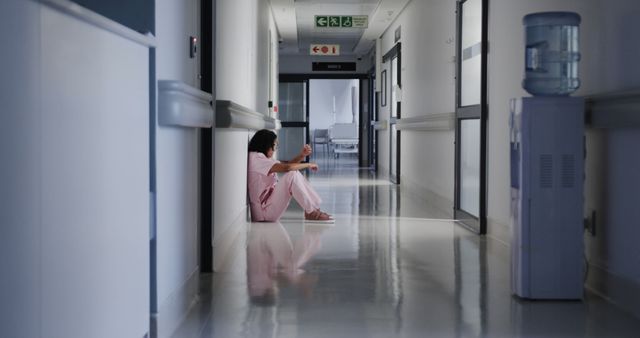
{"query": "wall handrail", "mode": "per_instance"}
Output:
(232, 115)
(93, 18)
(183, 106)
(431, 122)
(379, 125)
(613, 110)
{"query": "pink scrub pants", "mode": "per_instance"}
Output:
(291, 184)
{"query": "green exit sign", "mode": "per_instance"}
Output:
(341, 21)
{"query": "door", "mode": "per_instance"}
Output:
(293, 112)
(372, 118)
(365, 122)
(471, 93)
(393, 56)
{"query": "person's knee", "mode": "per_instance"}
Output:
(292, 175)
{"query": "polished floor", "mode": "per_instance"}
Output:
(389, 267)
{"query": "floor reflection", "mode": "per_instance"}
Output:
(274, 261)
(391, 266)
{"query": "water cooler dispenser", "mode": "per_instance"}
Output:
(547, 163)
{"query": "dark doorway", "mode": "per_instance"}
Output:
(207, 137)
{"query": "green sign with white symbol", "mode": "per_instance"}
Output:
(322, 21)
(346, 21)
(341, 21)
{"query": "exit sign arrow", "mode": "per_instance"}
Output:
(322, 21)
(324, 49)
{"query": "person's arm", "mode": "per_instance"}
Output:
(306, 151)
(285, 167)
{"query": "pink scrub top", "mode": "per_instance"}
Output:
(260, 183)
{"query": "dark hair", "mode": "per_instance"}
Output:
(262, 141)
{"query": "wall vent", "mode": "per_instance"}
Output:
(568, 171)
(546, 171)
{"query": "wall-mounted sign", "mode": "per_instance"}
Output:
(333, 66)
(341, 21)
(324, 49)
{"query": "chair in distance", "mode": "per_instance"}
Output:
(321, 137)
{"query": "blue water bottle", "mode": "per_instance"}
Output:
(551, 56)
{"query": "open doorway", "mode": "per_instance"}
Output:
(334, 118)
(330, 112)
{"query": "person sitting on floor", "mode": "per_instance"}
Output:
(270, 197)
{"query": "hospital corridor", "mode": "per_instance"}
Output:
(476, 161)
(389, 267)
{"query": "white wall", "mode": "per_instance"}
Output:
(94, 157)
(75, 173)
(20, 142)
(176, 21)
(245, 74)
(427, 75)
(608, 64)
(242, 47)
(321, 102)
(177, 189)
(614, 252)
(505, 73)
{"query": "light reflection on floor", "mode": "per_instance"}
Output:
(391, 266)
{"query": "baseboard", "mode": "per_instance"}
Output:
(442, 205)
(499, 231)
(223, 242)
(175, 308)
(621, 291)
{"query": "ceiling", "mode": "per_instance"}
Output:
(296, 24)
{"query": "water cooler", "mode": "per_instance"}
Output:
(547, 164)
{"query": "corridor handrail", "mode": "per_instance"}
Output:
(379, 125)
(232, 115)
(613, 110)
(431, 122)
(181, 105)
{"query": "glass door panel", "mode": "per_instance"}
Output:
(293, 115)
(394, 82)
(393, 112)
(470, 166)
(292, 105)
(393, 150)
(471, 53)
(291, 140)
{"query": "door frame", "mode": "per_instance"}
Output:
(394, 52)
(298, 124)
(207, 146)
(476, 224)
(307, 77)
(373, 117)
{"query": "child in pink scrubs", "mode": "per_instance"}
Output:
(270, 197)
